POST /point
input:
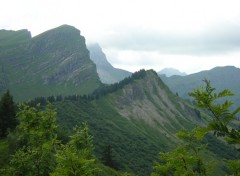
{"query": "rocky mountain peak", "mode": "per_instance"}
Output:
(54, 62)
(107, 73)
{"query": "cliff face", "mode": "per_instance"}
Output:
(54, 62)
(150, 101)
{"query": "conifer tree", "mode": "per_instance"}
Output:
(7, 114)
(108, 158)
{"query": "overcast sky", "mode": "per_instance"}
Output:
(190, 35)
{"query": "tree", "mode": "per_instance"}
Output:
(7, 114)
(108, 158)
(38, 140)
(185, 159)
(76, 157)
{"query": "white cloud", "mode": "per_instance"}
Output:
(141, 33)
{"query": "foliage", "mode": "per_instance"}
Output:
(222, 117)
(186, 159)
(7, 114)
(39, 152)
(76, 157)
(38, 140)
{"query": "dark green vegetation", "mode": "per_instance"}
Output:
(55, 62)
(7, 114)
(107, 73)
(221, 77)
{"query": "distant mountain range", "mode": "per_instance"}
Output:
(107, 73)
(221, 78)
(54, 62)
(170, 72)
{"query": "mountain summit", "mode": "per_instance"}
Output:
(54, 62)
(107, 73)
(170, 72)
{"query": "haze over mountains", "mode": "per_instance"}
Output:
(170, 72)
(138, 116)
(107, 73)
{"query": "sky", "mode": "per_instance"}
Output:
(189, 35)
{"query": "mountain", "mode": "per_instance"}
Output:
(138, 117)
(221, 77)
(170, 72)
(52, 63)
(107, 73)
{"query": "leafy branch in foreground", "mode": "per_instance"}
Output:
(38, 141)
(76, 157)
(186, 159)
(221, 115)
(39, 152)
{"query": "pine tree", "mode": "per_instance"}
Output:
(7, 114)
(108, 158)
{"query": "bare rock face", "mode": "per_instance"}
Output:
(149, 100)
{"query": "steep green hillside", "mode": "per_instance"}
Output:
(107, 73)
(220, 77)
(54, 62)
(138, 117)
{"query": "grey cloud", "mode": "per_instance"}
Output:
(218, 39)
